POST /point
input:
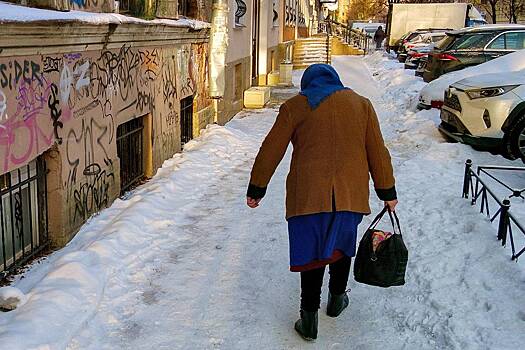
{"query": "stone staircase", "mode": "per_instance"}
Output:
(315, 49)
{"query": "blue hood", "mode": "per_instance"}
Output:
(318, 82)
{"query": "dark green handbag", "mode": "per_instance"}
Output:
(386, 266)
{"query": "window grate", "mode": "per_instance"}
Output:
(130, 150)
(186, 120)
(23, 215)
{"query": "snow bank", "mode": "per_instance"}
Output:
(14, 13)
(11, 298)
(121, 244)
(435, 90)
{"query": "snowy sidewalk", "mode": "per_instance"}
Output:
(184, 264)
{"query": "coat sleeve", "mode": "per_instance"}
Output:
(379, 161)
(270, 154)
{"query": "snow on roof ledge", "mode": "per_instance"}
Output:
(11, 13)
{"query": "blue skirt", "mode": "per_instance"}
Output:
(320, 239)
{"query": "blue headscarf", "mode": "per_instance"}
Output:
(318, 82)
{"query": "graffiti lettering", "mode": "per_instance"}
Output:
(81, 71)
(66, 81)
(52, 64)
(118, 70)
(150, 62)
(93, 195)
(172, 119)
(145, 102)
(56, 112)
(3, 106)
(28, 71)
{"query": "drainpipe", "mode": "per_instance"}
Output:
(218, 47)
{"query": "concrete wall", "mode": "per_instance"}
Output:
(70, 104)
(232, 104)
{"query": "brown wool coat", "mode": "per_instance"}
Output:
(335, 148)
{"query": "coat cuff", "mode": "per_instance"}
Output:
(388, 194)
(256, 192)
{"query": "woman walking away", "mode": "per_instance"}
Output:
(379, 36)
(336, 144)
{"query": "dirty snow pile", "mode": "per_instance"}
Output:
(15, 13)
(182, 263)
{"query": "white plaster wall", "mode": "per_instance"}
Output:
(273, 31)
(240, 38)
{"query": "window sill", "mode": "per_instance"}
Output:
(239, 26)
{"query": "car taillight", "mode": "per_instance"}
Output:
(418, 54)
(446, 57)
(436, 104)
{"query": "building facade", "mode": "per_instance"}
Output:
(94, 106)
(92, 102)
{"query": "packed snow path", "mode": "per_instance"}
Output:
(184, 264)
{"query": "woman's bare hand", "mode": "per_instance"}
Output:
(391, 205)
(252, 203)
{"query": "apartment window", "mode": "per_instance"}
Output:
(130, 150)
(23, 214)
(275, 13)
(240, 12)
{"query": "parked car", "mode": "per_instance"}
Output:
(473, 46)
(415, 55)
(397, 46)
(488, 112)
(420, 70)
(420, 41)
(431, 96)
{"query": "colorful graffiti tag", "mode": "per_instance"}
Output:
(77, 100)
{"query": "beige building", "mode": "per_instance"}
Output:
(253, 37)
(255, 30)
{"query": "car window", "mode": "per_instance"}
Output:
(437, 38)
(498, 44)
(411, 36)
(472, 41)
(514, 41)
(446, 42)
(418, 39)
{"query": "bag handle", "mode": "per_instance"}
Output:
(392, 217)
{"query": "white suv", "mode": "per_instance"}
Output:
(488, 112)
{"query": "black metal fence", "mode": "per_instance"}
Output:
(478, 189)
(23, 215)
(186, 120)
(130, 150)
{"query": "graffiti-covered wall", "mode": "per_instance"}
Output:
(77, 100)
(92, 5)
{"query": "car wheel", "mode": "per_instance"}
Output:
(514, 140)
